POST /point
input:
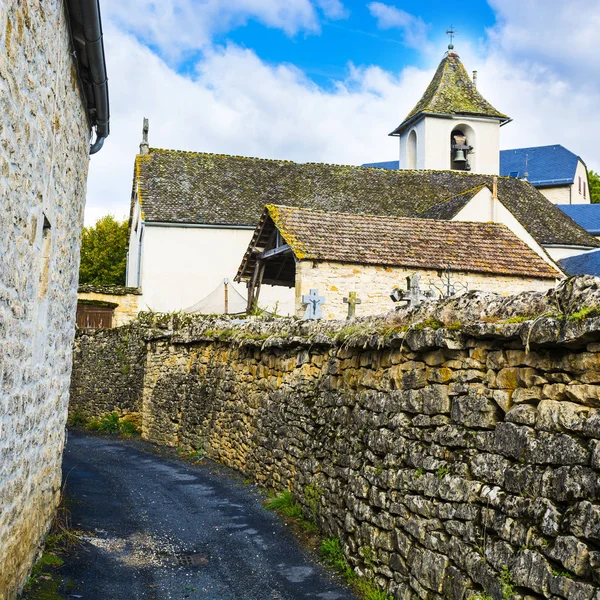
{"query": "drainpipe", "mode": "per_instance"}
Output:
(92, 31)
(495, 199)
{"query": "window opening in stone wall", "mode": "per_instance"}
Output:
(459, 151)
(46, 243)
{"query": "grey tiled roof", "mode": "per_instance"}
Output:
(194, 187)
(412, 243)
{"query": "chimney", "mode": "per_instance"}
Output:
(475, 79)
(144, 147)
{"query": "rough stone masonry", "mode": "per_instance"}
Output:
(44, 146)
(454, 450)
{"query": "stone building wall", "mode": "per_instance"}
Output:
(449, 461)
(127, 304)
(374, 285)
(43, 169)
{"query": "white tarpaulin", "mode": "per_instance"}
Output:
(224, 299)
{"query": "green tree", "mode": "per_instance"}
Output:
(104, 252)
(594, 187)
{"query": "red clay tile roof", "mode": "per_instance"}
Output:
(413, 243)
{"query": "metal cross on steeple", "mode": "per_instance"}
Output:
(451, 33)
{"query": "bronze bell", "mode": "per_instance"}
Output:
(460, 157)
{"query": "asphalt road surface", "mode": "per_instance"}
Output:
(159, 528)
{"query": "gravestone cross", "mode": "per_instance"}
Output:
(415, 295)
(313, 305)
(352, 301)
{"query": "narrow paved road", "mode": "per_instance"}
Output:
(158, 528)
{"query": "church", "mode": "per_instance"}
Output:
(194, 214)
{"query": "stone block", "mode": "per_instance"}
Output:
(474, 410)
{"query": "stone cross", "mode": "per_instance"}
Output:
(144, 147)
(313, 305)
(352, 301)
(413, 296)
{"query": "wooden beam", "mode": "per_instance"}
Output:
(275, 251)
(254, 285)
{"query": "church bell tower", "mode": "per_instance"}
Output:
(452, 127)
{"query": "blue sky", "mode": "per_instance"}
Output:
(327, 80)
(324, 56)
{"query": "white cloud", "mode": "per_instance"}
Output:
(177, 27)
(333, 9)
(561, 37)
(542, 70)
(414, 29)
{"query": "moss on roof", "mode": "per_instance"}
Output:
(195, 187)
(451, 92)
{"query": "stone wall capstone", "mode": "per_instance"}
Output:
(455, 450)
(43, 170)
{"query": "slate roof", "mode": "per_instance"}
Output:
(388, 164)
(546, 165)
(582, 264)
(451, 92)
(193, 187)
(586, 215)
(400, 242)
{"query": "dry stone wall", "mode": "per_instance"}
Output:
(452, 461)
(43, 169)
(108, 372)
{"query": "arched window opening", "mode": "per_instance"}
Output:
(459, 151)
(411, 150)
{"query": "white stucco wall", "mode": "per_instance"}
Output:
(558, 252)
(133, 253)
(182, 265)
(419, 129)
(433, 143)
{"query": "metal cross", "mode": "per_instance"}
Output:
(448, 286)
(352, 301)
(451, 32)
(313, 305)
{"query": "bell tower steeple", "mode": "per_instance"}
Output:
(452, 127)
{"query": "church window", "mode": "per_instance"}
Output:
(580, 184)
(411, 150)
